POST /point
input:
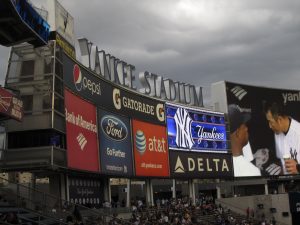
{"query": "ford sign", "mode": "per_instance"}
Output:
(114, 128)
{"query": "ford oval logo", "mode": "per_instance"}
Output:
(114, 128)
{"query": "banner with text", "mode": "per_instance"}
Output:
(81, 129)
(10, 105)
(150, 149)
(192, 129)
(200, 165)
(109, 96)
(85, 191)
(138, 107)
(115, 144)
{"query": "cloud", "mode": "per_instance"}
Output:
(197, 41)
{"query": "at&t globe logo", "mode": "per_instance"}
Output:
(140, 141)
(81, 82)
(77, 77)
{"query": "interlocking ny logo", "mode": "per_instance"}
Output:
(183, 122)
(239, 92)
(81, 141)
(294, 154)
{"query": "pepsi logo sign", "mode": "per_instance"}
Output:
(81, 82)
(77, 77)
(114, 128)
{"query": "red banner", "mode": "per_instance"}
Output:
(10, 105)
(81, 128)
(150, 150)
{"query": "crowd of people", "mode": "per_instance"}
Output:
(10, 218)
(182, 212)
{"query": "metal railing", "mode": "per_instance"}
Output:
(32, 157)
(44, 204)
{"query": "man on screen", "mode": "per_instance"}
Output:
(287, 136)
(239, 138)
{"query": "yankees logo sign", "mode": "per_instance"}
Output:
(193, 129)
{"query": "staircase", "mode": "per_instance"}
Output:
(33, 207)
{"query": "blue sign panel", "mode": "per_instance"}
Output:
(115, 144)
(33, 19)
(195, 130)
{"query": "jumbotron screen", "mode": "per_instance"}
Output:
(195, 130)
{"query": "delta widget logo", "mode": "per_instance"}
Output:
(77, 77)
(140, 141)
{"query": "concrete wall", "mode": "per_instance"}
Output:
(279, 201)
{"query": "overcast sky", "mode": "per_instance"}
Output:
(196, 41)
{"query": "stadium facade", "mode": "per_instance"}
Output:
(93, 132)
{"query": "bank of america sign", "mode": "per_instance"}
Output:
(192, 129)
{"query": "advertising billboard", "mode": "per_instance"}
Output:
(271, 118)
(193, 129)
(10, 105)
(115, 144)
(62, 21)
(150, 149)
(139, 107)
(66, 46)
(85, 84)
(82, 133)
(200, 165)
(87, 192)
(106, 95)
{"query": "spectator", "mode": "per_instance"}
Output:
(77, 214)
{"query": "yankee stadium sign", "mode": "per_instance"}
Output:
(121, 73)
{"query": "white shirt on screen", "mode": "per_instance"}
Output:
(247, 152)
(289, 143)
(244, 168)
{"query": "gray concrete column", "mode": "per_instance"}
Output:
(191, 190)
(106, 190)
(266, 189)
(63, 186)
(128, 190)
(174, 189)
(281, 189)
(149, 192)
(218, 192)
(152, 197)
(67, 188)
(109, 189)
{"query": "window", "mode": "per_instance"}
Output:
(27, 70)
(58, 52)
(27, 102)
(59, 87)
(47, 101)
(58, 69)
(48, 64)
(59, 104)
(36, 138)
